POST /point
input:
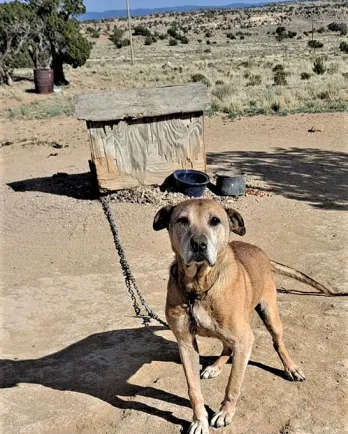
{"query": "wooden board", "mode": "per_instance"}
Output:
(139, 103)
(131, 152)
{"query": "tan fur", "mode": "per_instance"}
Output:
(284, 270)
(215, 296)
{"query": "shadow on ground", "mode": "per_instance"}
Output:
(78, 186)
(101, 365)
(317, 176)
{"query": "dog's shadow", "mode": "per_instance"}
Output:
(101, 366)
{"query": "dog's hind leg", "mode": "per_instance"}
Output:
(268, 312)
(215, 369)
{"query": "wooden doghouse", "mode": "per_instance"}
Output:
(140, 136)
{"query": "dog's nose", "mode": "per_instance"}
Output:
(198, 243)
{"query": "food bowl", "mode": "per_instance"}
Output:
(230, 183)
(191, 182)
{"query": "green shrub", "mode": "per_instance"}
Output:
(324, 95)
(280, 78)
(230, 36)
(338, 27)
(122, 43)
(305, 75)
(184, 39)
(212, 109)
(200, 78)
(315, 44)
(172, 31)
(278, 67)
(141, 31)
(93, 33)
(291, 35)
(20, 60)
(148, 40)
(344, 47)
(173, 42)
(280, 33)
(319, 66)
(275, 106)
(116, 35)
(280, 30)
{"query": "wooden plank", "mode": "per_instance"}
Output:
(120, 181)
(139, 103)
(134, 152)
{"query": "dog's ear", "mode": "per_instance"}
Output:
(236, 221)
(162, 218)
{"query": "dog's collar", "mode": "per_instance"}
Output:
(192, 296)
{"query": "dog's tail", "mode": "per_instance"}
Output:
(284, 270)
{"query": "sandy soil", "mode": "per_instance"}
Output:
(75, 360)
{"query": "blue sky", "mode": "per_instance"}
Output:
(102, 5)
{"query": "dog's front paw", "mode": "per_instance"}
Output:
(199, 427)
(224, 416)
(295, 374)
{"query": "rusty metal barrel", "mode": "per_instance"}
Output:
(43, 79)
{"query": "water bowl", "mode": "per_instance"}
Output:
(191, 182)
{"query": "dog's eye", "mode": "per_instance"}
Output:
(214, 221)
(184, 221)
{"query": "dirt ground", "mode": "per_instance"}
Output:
(76, 360)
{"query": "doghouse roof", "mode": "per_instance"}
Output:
(140, 103)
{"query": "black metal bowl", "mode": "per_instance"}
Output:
(191, 182)
(230, 184)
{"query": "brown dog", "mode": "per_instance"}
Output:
(213, 287)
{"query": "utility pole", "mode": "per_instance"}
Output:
(130, 32)
(312, 28)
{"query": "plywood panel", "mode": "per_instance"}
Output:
(127, 153)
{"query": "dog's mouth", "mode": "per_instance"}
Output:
(199, 259)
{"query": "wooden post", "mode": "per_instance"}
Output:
(130, 32)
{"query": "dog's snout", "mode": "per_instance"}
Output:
(198, 243)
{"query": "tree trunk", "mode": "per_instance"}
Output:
(58, 71)
(5, 75)
(9, 79)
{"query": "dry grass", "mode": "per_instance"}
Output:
(239, 71)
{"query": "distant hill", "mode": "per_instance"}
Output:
(139, 12)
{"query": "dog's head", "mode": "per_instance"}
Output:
(199, 229)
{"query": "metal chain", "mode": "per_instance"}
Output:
(131, 285)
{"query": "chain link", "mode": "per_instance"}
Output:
(131, 285)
